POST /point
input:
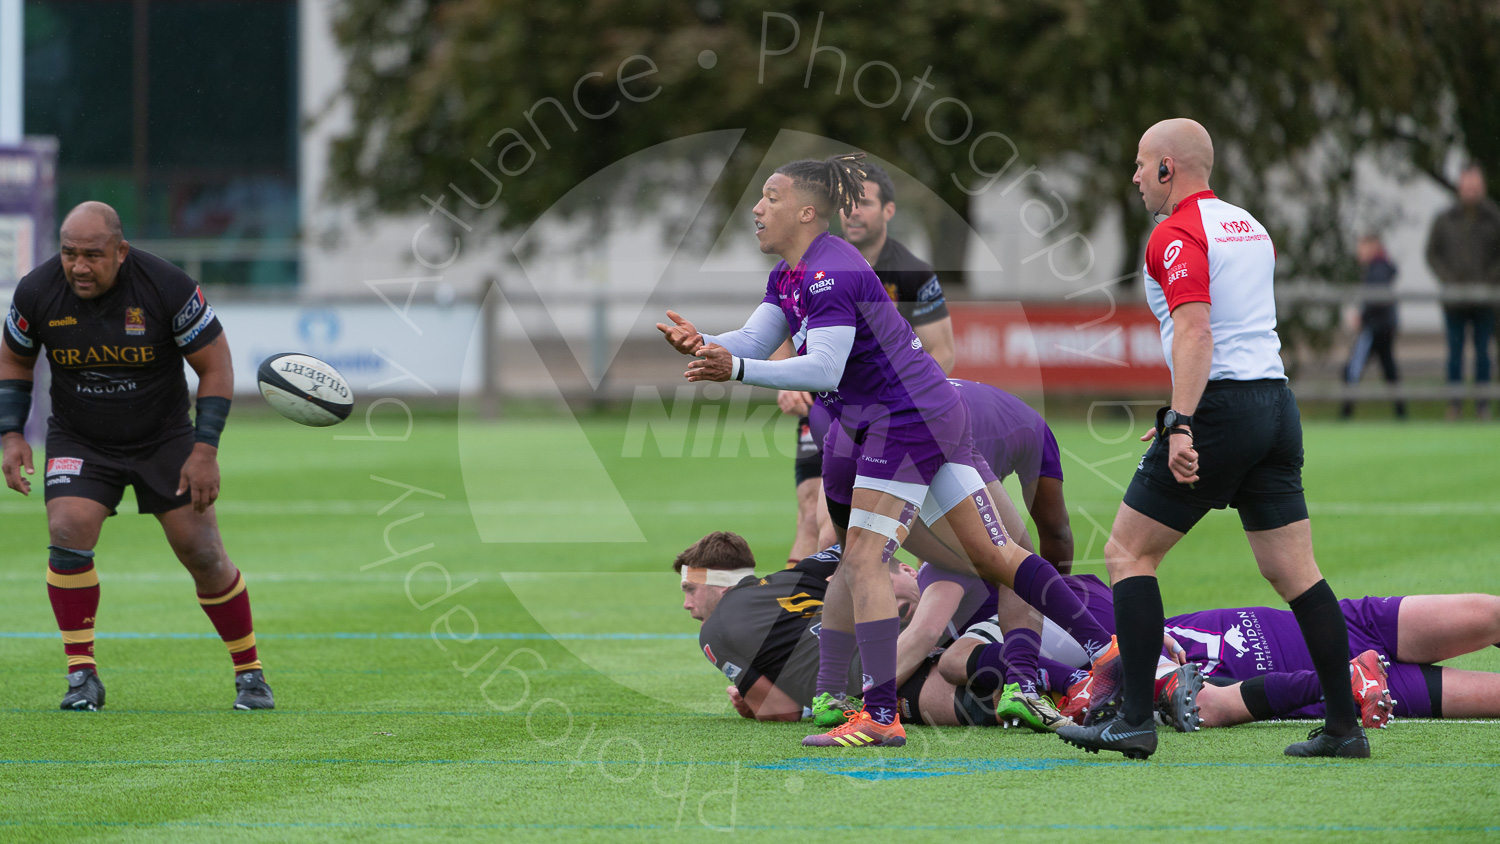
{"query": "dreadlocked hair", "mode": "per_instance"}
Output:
(835, 183)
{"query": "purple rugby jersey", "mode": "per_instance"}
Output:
(888, 374)
(1009, 434)
(979, 603)
(1241, 643)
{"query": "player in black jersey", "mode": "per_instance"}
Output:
(913, 285)
(116, 325)
(762, 632)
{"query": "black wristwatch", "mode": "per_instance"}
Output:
(1169, 421)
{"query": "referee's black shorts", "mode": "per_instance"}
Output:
(1249, 440)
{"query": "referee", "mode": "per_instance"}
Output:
(1231, 437)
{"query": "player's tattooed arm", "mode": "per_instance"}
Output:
(200, 472)
(16, 376)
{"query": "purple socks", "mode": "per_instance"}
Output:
(1039, 585)
(835, 650)
(1022, 650)
(1057, 676)
(877, 653)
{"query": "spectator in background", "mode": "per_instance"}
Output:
(1377, 321)
(1464, 249)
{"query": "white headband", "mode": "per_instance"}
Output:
(715, 577)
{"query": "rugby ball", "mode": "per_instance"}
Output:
(304, 389)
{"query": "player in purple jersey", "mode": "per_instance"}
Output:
(1256, 665)
(1261, 652)
(907, 426)
(914, 286)
(1013, 438)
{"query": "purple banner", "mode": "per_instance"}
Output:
(28, 198)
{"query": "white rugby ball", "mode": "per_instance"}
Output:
(304, 389)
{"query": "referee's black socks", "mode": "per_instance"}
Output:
(1327, 635)
(1138, 627)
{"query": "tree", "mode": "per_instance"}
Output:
(480, 94)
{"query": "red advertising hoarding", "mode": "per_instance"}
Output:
(1059, 348)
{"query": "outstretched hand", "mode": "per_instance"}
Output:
(681, 334)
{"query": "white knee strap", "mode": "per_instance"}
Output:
(875, 523)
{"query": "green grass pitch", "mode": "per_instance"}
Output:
(545, 682)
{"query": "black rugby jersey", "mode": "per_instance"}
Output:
(911, 282)
(116, 360)
(768, 626)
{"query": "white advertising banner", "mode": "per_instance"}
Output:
(379, 350)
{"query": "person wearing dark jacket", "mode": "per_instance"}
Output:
(1377, 322)
(1464, 249)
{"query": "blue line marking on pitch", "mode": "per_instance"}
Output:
(899, 768)
(526, 637)
(906, 769)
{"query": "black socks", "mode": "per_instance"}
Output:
(1327, 637)
(1138, 628)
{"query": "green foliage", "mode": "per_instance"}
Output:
(1292, 93)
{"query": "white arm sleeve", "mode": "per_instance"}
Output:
(763, 332)
(818, 371)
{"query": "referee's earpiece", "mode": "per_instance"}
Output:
(1163, 175)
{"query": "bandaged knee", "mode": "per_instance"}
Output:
(894, 530)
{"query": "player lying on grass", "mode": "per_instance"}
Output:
(1259, 652)
(763, 632)
(1249, 663)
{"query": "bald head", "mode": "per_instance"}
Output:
(1173, 161)
(1184, 141)
(91, 216)
(92, 247)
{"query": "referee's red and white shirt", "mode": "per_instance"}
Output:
(1214, 252)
